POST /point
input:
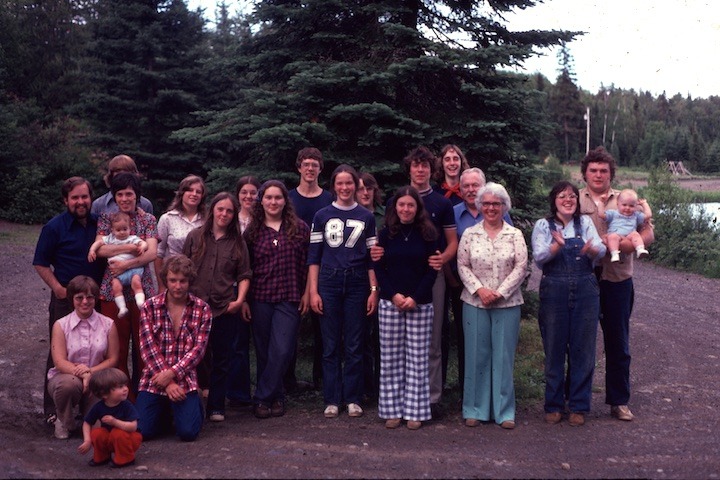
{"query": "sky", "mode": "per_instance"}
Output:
(653, 46)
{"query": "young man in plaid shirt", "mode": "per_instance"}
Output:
(174, 332)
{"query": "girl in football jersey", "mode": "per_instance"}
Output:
(343, 290)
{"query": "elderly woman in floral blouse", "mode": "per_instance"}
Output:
(492, 263)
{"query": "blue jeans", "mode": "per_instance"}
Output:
(153, 408)
(275, 331)
(238, 388)
(568, 317)
(344, 294)
(223, 335)
(616, 302)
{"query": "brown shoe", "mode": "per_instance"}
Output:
(508, 424)
(472, 422)
(553, 417)
(413, 425)
(576, 419)
(262, 411)
(621, 412)
(278, 408)
(392, 423)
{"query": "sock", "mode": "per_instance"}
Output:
(140, 299)
(122, 308)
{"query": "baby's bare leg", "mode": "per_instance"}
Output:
(613, 241)
(636, 239)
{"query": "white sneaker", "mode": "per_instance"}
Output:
(641, 252)
(217, 417)
(60, 431)
(355, 410)
(615, 256)
(331, 411)
(122, 312)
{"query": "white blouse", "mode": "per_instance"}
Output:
(173, 227)
(499, 264)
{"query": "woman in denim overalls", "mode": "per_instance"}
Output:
(565, 245)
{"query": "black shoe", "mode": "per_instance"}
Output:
(278, 408)
(121, 465)
(93, 463)
(262, 411)
(436, 411)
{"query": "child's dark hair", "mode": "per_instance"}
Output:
(118, 217)
(102, 382)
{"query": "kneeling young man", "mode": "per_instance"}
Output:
(174, 332)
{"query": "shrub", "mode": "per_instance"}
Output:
(684, 239)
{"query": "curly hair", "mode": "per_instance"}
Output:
(289, 219)
(598, 155)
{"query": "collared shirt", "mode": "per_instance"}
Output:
(173, 228)
(542, 238)
(611, 271)
(145, 227)
(464, 218)
(162, 350)
(498, 264)
(225, 262)
(64, 244)
(279, 264)
(86, 339)
(106, 204)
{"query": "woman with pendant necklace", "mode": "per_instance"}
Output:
(405, 310)
(278, 241)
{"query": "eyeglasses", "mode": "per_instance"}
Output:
(81, 298)
(491, 204)
(563, 196)
(310, 165)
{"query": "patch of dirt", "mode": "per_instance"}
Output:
(676, 358)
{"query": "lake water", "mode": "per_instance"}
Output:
(711, 209)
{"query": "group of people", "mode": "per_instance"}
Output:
(191, 288)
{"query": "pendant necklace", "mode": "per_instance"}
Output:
(407, 237)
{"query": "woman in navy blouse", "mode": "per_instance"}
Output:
(406, 310)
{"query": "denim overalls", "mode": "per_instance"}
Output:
(569, 310)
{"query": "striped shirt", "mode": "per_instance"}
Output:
(341, 237)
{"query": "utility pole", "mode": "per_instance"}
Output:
(587, 130)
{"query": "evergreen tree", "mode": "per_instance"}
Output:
(566, 108)
(365, 81)
(146, 80)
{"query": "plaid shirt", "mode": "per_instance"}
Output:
(279, 265)
(161, 350)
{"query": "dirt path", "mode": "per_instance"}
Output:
(675, 345)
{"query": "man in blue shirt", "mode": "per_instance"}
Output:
(61, 254)
(307, 199)
(466, 215)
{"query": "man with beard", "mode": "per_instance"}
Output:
(61, 255)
